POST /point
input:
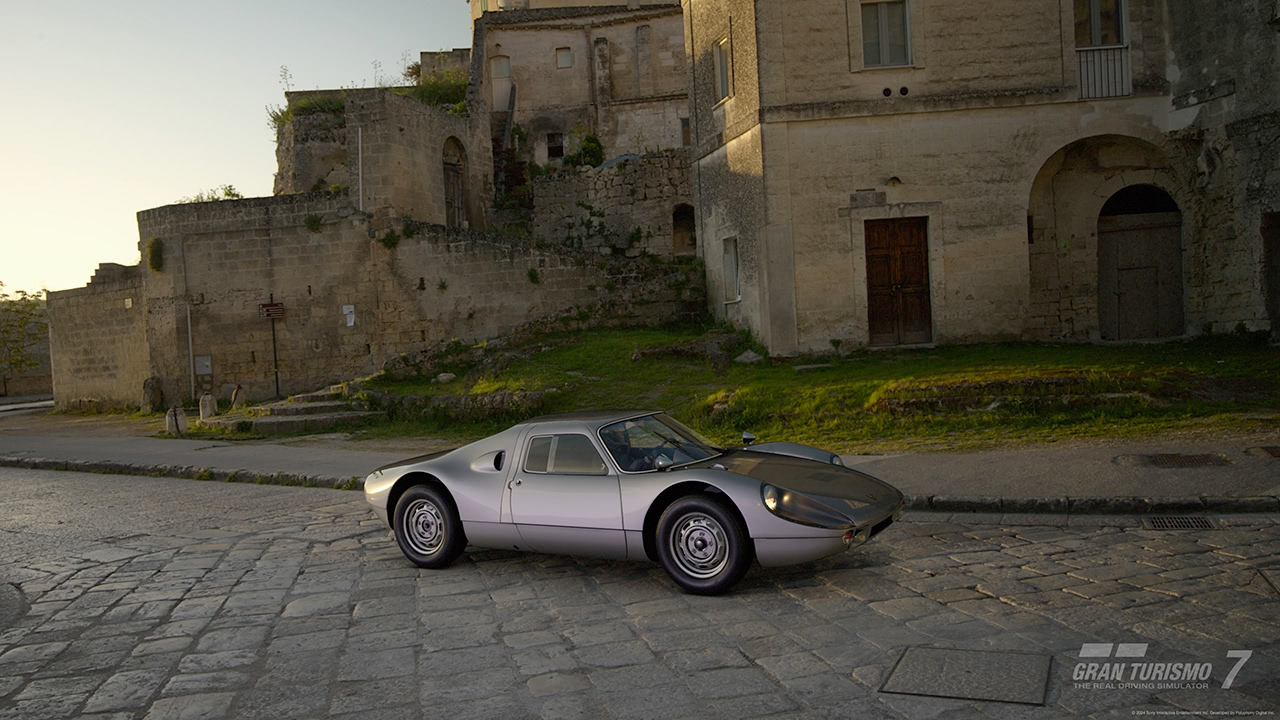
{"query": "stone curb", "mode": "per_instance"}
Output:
(185, 471)
(925, 503)
(1095, 505)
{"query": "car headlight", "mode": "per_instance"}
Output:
(769, 494)
(802, 509)
(835, 460)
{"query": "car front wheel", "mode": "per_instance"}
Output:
(427, 527)
(703, 545)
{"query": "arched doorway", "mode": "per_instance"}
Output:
(683, 231)
(1140, 265)
(455, 165)
(1094, 187)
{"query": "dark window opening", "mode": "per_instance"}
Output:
(555, 145)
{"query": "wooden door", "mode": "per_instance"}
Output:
(1140, 276)
(898, 308)
(454, 214)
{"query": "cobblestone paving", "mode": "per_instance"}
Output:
(156, 598)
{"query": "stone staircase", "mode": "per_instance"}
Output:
(310, 412)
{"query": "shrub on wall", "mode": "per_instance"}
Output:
(448, 88)
(314, 223)
(155, 254)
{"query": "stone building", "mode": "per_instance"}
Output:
(560, 73)
(371, 249)
(915, 171)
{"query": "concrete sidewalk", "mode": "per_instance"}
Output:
(1229, 474)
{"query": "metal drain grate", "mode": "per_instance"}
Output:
(1271, 451)
(1174, 460)
(1179, 522)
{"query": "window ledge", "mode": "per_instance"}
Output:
(873, 68)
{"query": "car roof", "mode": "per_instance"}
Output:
(594, 418)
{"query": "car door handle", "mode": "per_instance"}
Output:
(515, 482)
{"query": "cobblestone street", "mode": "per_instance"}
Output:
(160, 598)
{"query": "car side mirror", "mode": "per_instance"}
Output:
(748, 438)
(662, 462)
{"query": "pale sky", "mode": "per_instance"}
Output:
(108, 108)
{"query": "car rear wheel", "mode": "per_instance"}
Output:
(703, 545)
(427, 527)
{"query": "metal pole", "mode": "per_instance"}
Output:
(275, 357)
(191, 355)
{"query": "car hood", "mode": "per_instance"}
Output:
(414, 460)
(846, 486)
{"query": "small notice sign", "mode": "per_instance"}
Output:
(271, 310)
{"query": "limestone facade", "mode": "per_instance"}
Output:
(638, 206)
(346, 303)
(988, 140)
(614, 72)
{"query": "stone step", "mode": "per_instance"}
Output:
(326, 395)
(291, 424)
(304, 408)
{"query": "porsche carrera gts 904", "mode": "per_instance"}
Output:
(634, 486)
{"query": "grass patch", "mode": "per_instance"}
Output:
(953, 397)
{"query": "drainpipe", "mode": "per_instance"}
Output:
(191, 355)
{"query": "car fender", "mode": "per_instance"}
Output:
(645, 496)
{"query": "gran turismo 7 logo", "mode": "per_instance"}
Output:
(1123, 665)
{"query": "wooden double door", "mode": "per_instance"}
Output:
(898, 309)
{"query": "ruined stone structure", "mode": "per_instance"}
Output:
(565, 72)
(941, 171)
(639, 205)
(342, 303)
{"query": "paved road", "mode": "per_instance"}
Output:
(159, 598)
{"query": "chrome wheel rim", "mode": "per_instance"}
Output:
(699, 546)
(424, 527)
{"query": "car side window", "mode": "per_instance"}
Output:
(569, 454)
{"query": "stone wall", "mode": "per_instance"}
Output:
(440, 62)
(97, 340)
(629, 206)
(349, 302)
(391, 148)
(624, 81)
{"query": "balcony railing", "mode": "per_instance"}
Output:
(1104, 72)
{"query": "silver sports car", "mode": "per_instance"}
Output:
(632, 485)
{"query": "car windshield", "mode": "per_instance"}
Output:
(637, 444)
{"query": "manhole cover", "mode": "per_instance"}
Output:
(1179, 522)
(1174, 460)
(1011, 677)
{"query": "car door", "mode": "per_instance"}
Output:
(565, 499)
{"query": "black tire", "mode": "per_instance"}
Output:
(703, 545)
(427, 527)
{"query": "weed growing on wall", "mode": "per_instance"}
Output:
(314, 223)
(390, 239)
(279, 116)
(533, 276)
(222, 192)
(442, 89)
(442, 285)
